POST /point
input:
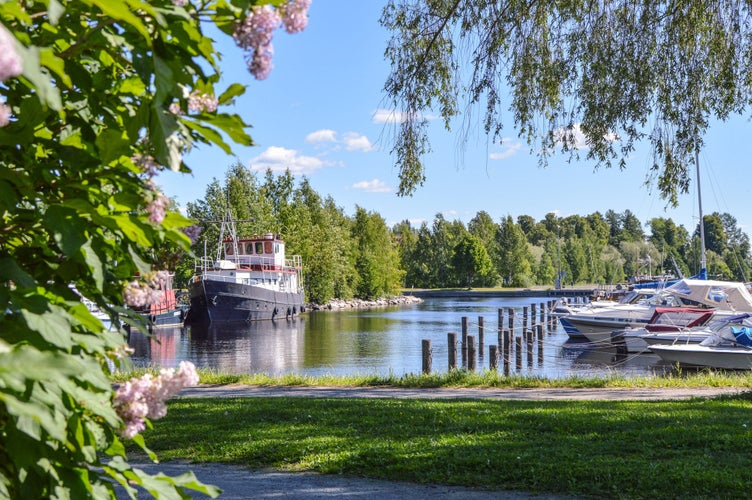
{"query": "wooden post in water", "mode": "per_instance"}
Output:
(539, 331)
(510, 312)
(530, 346)
(427, 356)
(452, 341)
(481, 334)
(471, 364)
(524, 319)
(542, 314)
(493, 355)
(464, 342)
(518, 353)
(533, 313)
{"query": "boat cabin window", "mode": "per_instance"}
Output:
(249, 248)
(259, 247)
(267, 247)
(228, 248)
(276, 248)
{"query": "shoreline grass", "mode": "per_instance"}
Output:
(698, 448)
(464, 378)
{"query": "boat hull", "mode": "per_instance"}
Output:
(731, 358)
(227, 302)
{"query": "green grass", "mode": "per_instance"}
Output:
(463, 378)
(699, 448)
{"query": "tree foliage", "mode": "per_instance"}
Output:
(617, 72)
(108, 94)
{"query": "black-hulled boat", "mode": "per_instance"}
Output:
(250, 280)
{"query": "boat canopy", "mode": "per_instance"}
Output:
(722, 295)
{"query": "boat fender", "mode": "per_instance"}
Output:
(274, 312)
(289, 313)
(294, 310)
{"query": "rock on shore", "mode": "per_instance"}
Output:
(339, 304)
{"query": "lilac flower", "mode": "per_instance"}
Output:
(193, 232)
(179, 3)
(145, 397)
(295, 15)
(202, 102)
(157, 208)
(10, 62)
(5, 114)
(175, 109)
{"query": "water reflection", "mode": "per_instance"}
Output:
(379, 341)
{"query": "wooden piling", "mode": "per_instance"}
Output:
(530, 347)
(510, 313)
(464, 342)
(471, 354)
(452, 349)
(539, 331)
(518, 353)
(427, 356)
(481, 335)
(493, 357)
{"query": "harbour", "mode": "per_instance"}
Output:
(389, 341)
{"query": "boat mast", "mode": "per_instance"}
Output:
(703, 262)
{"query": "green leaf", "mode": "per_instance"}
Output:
(119, 10)
(11, 271)
(232, 91)
(96, 267)
(67, 227)
(130, 229)
(34, 73)
(209, 135)
(51, 325)
(232, 125)
(112, 145)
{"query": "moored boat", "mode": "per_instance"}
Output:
(164, 312)
(251, 280)
(728, 345)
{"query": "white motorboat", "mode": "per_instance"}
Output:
(666, 323)
(728, 346)
(597, 324)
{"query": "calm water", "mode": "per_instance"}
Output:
(379, 341)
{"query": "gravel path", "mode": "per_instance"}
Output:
(238, 482)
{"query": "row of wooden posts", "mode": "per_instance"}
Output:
(530, 332)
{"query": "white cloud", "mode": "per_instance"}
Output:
(507, 151)
(387, 116)
(576, 137)
(321, 136)
(356, 142)
(373, 186)
(279, 159)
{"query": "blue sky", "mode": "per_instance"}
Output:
(319, 114)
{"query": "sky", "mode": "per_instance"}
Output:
(320, 114)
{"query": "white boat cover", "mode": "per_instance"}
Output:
(721, 295)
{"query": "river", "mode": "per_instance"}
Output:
(384, 341)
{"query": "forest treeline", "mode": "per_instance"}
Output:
(361, 256)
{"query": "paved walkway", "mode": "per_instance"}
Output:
(238, 482)
(614, 394)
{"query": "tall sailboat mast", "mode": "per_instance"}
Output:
(703, 262)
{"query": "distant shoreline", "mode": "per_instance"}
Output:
(516, 292)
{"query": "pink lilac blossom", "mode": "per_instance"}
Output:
(254, 34)
(157, 208)
(179, 3)
(5, 114)
(147, 162)
(139, 294)
(295, 15)
(175, 109)
(145, 397)
(202, 102)
(10, 62)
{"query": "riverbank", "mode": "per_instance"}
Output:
(340, 304)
